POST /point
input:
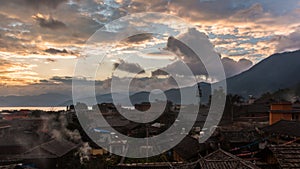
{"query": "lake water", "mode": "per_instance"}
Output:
(33, 108)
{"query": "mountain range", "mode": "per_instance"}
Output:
(278, 71)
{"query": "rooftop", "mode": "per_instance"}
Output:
(221, 159)
(188, 148)
(51, 149)
(284, 127)
(288, 156)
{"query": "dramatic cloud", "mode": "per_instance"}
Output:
(159, 72)
(63, 85)
(189, 58)
(129, 67)
(4, 64)
(41, 38)
(56, 51)
(254, 12)
(231, 67)
(41, 3)
(182, 68)
(139, 38)
(235, 67)
(50, 60)
(48, 22)
(16, 73)
(289, 42)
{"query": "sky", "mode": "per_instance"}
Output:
(42, 40)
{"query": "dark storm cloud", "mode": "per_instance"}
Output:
(231, 68)
(138, 38)
(48, 22)
(189, 58)
(180, 68)
(83, 18)
(28, 28)
(129, 67)
(159, 72)
(179, 48)
(50, 60)
(56, 51)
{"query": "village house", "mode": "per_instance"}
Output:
(219, 159)
(283, 111)
(183, 153)
(286, 156)
(24, 141)
(282, 131)
(22, 114)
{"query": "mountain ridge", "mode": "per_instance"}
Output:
(278, 71)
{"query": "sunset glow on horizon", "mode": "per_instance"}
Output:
(41, 41)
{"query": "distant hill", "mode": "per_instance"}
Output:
(279, 71)
(173, 95)
(49, 99)
(288, 94)
(102, 98)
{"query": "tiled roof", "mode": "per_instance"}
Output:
(284, 127)
(241, 135)
(216, 160)
(52, 149)
(224, 160)
(288, 156)
(159, 165)
(188, 148)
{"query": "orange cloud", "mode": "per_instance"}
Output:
(16, 73)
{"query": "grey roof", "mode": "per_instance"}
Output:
(284, 127)
(188, 148)
(216, 160)
(52, 149)
(224, 160)
(240, 136)
(159, 165)
(288, 156)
